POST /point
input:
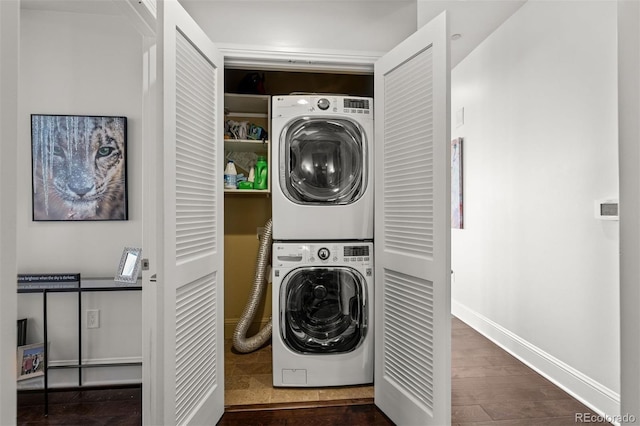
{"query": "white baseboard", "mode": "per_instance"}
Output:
(591, 393)
(96, 361)
(111, 375)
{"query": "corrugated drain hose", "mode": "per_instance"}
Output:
(249, 344)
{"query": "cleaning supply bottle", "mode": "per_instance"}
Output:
(230, 176)
(260, 178)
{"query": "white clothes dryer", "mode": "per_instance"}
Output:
(322, 170)
(322, 314)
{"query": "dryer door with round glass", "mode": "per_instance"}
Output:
(325, 161)
(323, 310)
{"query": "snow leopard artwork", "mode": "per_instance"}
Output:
(79, 167)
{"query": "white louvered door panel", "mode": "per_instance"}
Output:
(412, 230)
(191, 222)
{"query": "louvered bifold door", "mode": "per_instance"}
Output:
(412, 243)
(192, 221)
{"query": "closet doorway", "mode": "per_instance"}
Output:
(248, 377)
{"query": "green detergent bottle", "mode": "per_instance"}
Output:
(261, 175)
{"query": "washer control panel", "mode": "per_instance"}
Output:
(292, 255)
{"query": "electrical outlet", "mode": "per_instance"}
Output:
(93, 318)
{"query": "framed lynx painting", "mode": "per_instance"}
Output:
(79, 167)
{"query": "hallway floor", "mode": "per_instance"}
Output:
(489, 387)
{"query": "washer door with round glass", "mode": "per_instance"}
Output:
(325, 161)
(323, 310)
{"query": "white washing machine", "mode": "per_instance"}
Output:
(322, 156)
(322, 314)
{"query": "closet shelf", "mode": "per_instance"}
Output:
(247, 191)
(250, 145)
(240, 104)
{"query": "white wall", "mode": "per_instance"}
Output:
(9, 52)
(75, 63)
(533, 268)
(629, 111)
(474, 20)
(306, 25)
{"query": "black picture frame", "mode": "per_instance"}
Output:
(22, 332)
(79, 167)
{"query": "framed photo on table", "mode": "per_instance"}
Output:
(129, 267)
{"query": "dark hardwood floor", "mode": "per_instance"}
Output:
(365, 414)
(489, 388)
(91, 407)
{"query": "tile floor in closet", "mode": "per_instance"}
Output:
(248, 381)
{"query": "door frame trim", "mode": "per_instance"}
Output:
(273, 59)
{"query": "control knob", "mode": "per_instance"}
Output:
(323, 104)
(323, 253)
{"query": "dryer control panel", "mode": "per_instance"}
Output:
(292, 255)
(299, 105)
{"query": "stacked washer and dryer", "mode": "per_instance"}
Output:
(323, 240)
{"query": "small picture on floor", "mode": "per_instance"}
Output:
(30, 361)
(79, 167)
